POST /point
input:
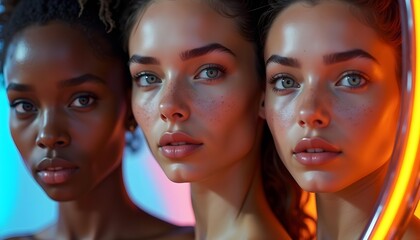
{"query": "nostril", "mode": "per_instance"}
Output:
(60, 143)
(318, 122)
(301, 123)
(41, 145)
(163, 117)
(177, 115)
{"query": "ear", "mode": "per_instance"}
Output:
(261, 111)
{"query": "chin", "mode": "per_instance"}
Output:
(62, 193)
(60, 196)
(316, 182)
(181, 173)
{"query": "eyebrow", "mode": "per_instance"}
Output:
(347, 55)
(143, 60)
(328, 59)
(19, 87)
(200, 51)
(186, 55)
(85, 78)
(286, 61)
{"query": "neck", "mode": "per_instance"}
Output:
(98, 213)
(232, 205)
(345, 214)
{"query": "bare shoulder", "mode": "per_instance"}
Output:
(413, 229)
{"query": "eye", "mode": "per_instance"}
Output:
(145, 79)
(211, 72)
(23, 107)
(283, 82)
(352, 80)
(83, 101)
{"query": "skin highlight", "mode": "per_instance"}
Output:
(70, 111)
(331, 92)
(195, 96)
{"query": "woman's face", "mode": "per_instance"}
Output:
(332, 97)
(196, 93)
(68, 109)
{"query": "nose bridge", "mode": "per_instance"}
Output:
(173, 104)
(52, 130)
(313, 105)
(310, 100)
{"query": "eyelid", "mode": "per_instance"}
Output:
(275, 77)
(352, 72)
(19, 101)
(219, 67)
(136, 77)
(79, 95)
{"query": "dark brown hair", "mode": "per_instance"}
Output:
(282, 192)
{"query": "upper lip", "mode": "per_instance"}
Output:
(315, 144)
(54, 164)
(177, 138)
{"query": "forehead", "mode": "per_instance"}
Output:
(59, 51)
(330, 26)
(192, 22)
(57, 41)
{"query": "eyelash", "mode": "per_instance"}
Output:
(364, 79)
(91, 97)
(18, 102)
(279, 77)
(15, 104)
(137, 78)
(221, 69)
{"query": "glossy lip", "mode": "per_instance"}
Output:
(315, 151)
(55, 170)
(178, 144)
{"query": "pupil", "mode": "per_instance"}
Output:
(287, 83)
(354, 81)
(211, 73)
(27, 106)
(83, 100)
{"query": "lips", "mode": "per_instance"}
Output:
(55, 170)
(177, 145)
(315, 151)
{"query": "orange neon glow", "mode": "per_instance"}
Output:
(408, 167)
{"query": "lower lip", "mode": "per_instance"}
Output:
(180, 151)
(56, 177)
(315, 159)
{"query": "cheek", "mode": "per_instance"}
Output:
(369, 129)
(145, 112)
(23, 137)
(280, 114)
(214, 110)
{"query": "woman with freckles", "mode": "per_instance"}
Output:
(68, 88)
(333, 70)
(198, 96)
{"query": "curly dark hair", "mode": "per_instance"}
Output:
(285, 197)
(95, 18)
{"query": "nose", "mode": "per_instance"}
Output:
(52, 132)
(173, 105)
(313, 110)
